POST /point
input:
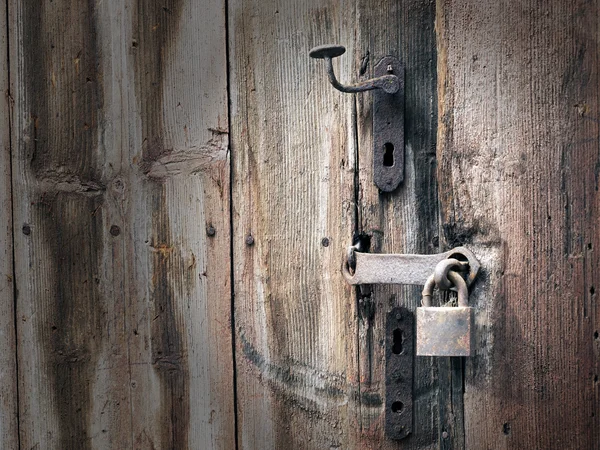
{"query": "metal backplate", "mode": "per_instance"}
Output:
(388, 129)
(399, 356)
(445, 331)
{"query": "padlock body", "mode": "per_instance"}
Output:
(445, 331)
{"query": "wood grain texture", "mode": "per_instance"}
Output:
(120, 165)
(9, 437)
(406, 220)
(518, 154)
(293, 174)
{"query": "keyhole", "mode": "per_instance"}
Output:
(397, 407)
(388, 154)
(397, 344)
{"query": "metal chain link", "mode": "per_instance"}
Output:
(445, 277)
(443, 267)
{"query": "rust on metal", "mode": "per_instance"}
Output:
(441, 271)
(388, 83)
(399, 359)
(389, 268)
(445, 331)
(388, 128)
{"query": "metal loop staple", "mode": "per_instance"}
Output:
(443, 268)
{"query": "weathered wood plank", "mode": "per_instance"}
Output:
(519, 158)
(293, 171)
(406, 220)
(63, 316)
(9, 437)
(183, 329)
(121, 164)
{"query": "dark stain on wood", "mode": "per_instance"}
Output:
(63, 88)
(536, 357)
(169, 356)
(65, 105)
(73, 329)
(290, 380)
(155, 30)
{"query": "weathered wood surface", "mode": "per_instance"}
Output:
(404, 221)
(518, 178)
(120, 164)
(293, 172)
(8, 374)
(294, 149)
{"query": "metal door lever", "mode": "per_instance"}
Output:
(388, 83)
(388, 113)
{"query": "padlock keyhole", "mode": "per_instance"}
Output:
(398, 338)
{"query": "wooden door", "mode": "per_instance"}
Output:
(180, 186)
(120, 193)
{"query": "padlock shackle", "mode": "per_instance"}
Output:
(457, 281)
(428, 291)
(461, 286)
(443, 267)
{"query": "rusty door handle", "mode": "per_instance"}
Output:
(388, 113)
(388, 83)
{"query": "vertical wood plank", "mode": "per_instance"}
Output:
(8, 371)
(293, 215)
(64, 318)
(519, 158)
(121, 165)
(180, 348)
(406, 220)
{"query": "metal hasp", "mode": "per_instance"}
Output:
(389, 268)
(433, 327)
(388, 113)
(399, 360)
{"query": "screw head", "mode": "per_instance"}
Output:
(249, 240)
(325, 242)
(115, 230)
(26, 230)
(210, 230)
(445, 435)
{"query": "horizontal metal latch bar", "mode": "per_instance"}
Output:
(382, 268)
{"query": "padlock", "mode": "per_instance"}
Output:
(445, 331)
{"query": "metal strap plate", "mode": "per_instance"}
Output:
(381, 268)
(399, 359)
(388, 128)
